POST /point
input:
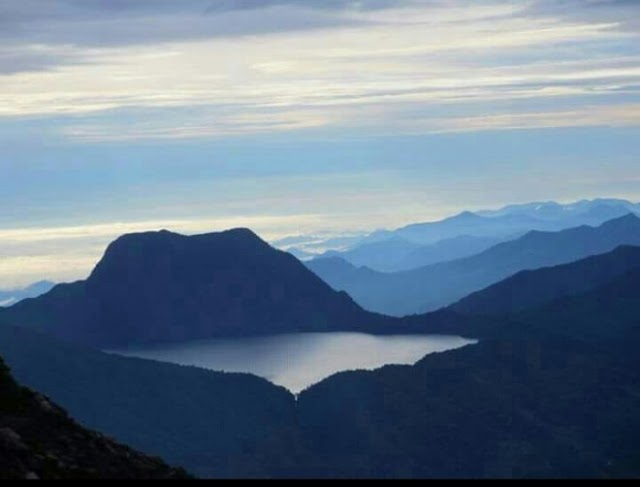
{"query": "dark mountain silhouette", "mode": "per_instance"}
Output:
(553, 392)
(529, 289)
(161, 286)
(606, 317)
(7, 298)
(38, 440)
(214, 424)
(341, 274)
(438, 285)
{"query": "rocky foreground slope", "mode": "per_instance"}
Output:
(39, 440)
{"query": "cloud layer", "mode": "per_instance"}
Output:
(199, 69)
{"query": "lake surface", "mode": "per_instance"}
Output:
(299, 360)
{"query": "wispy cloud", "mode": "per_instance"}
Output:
(355, 58)
(588, 116)
(267, 224)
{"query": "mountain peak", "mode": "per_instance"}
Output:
(625, 220)
(168, 240)
(467, 215)
(165, 287)
(240, 232)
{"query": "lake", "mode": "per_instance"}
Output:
(299, 360)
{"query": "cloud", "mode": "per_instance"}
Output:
(588, 116)
(116, 70)
(92, 23)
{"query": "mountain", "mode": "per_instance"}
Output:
(38, 440)
(161, 286)
(512, 221)
(529, 289)
(397, 254)
(505, 223)
(585, 212)
(606, 317)
(382, 256)
(431, 287)
(214, 424)
(7, 298)
(553, 394)
(446, 250)
(301, 254)
(466, 223)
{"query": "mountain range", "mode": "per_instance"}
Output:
(162, 287)
(215, 424)
(552, 390)
(431, 287)
(464, 234)
(554, 394)
(397, 254)
(529, 289)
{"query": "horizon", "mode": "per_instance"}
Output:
(68, 234)
(302, 117)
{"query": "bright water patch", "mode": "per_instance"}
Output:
(299, 360)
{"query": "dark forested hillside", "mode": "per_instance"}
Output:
(553, 392)
(214, 424)
(529, 289)
(38, 440)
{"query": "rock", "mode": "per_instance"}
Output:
(12, 439)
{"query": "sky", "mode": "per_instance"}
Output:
(305, 116)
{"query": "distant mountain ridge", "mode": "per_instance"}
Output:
(589, 211)
(397, 254)
(10, 297)
(462, 235)
(515, 219)
(431, 287)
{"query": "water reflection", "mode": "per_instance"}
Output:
(297, 361)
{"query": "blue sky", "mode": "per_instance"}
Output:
(301, 117)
